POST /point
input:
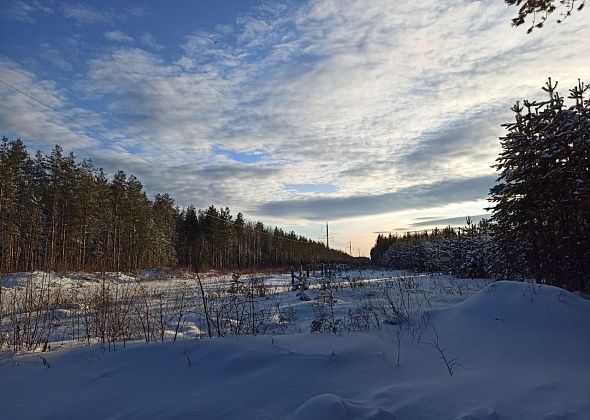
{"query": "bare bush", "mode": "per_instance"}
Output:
(450, 363)
(325, 319)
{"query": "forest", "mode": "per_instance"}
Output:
(540, 222)
(57, 213)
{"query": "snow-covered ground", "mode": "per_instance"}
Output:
(515, 351)
(353, 300)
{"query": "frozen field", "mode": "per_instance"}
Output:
(367, 344)
(48, 309)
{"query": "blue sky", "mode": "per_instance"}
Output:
(377, 116)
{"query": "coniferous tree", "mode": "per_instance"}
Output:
(464, 252)
(542, 197)
(58, 214)
(13, 184)
(164, 230)
(539, 10)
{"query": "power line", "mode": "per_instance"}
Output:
(134, 72)
(92, 130)
(69, 118)
(137, 135)
(229, 222)
(128, 65)
(148, 161)
(99, 134)
(72, 95)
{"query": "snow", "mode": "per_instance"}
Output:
(523, 349)
(330, 406)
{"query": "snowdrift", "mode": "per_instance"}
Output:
(524, 351)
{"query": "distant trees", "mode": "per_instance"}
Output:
(213, 239)
(465, 252)
(540, 223)
(59, 214)
(539, 10)
(541, 210)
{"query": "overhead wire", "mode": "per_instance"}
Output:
(148, 161)
(69, 118)
(72, 95)
(99, 134)
(229, 222)
(134, 73)
(138, 76)
(131, 69)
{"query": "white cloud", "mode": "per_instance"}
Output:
(372, 97)
(339, 92)
(55, 56)
(86, 14)
(149, 41)
(41, 118)
(117, 36)
(23, 10)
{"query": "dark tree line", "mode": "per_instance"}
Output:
(540, 224)
(464, 252)
(541, 210)
(214, 238)
(60, 214)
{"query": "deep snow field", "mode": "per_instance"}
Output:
(515, 351)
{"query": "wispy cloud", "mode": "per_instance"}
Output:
(43, 120)
(85, 14)
(117, 36)
(149, 41)
(316, 188)
(416, 197)
(23, 10)
(446, 221)
(381, 100)
(55, 56)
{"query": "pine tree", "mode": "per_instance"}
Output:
(164, 230)
(14, 179)
(542, 196)
(539, 10)
(58, 214)
(118, 194)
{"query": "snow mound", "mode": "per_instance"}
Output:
(480, 413)
(510, 300)
(556, 416)
(330, 406)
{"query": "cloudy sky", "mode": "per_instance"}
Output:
(375, 115)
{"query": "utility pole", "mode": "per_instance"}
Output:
(327, 243)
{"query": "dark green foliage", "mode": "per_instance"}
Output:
(213, 239)
(464, 252)
(62, 215)
(540, 226)
(542, 197)
(537, 11)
